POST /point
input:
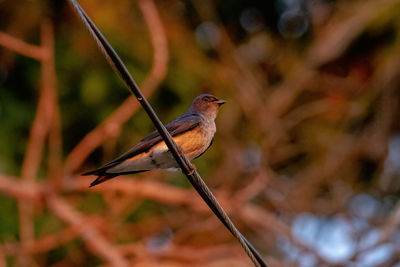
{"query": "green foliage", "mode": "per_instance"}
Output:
(146, 209)
(46, 223)
(91, 203)
(9, 229)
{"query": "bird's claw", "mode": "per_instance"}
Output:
(192, 169)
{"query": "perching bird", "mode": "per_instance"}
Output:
(193, 132)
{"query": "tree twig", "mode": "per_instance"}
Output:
(39, 131)
(19, 46)
(18, 189)
(43, 244)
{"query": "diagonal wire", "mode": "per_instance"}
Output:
(187, 168)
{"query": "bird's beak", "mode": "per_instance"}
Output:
(220, 102)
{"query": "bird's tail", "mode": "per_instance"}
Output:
(103, 178)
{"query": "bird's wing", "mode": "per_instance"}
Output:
(177, 127)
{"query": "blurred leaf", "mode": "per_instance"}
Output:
(94, 88)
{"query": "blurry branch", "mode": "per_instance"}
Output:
(249, 88)
(296, 116)
(92, 238)
(24, 190)
(309, 182)
(55, 148)
(187, 168)
(45, 109)
(392, 224)
(210, 256)
(386, 82)
(41, 245)
(387, 230)
(3, 262)
(281, 100)
(46, 112)
(171, 263)
(262, 221)
(248, 213)
(140, 188)
(340, 33)
(181, 253)
(19, 46)
(159, 42)
(252, 188)
(34, 192)
(257, 216)
(384, 85)
(112, 125)
(370, 144)
(282, 97)
(40, 128)
(49, 81)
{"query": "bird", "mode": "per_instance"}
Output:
(193, 132)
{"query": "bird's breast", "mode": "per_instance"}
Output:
(193, 142)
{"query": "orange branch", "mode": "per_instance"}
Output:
(21, 47)
(50, 81)
(39, 130)
(184, 253)
(41, 245)
(14, 187)
(141, 188)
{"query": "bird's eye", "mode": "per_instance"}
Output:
(206, 98)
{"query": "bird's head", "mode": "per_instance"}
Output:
(207, 105)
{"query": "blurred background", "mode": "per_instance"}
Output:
(306, 158)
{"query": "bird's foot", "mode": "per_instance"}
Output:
(192, 169)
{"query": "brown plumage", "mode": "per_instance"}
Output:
(193, 132)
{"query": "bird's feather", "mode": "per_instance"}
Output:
(102, 178)
(212, 140)
(181, 125)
